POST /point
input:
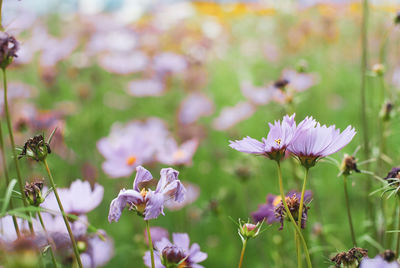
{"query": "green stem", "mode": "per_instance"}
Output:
(150, 244)
(303, 190)
(49, 240)
(5, 169)
(398, 234)
(242, 253)
(1, 8)
(303, 241)
(71, 236)
(10, 133)
(346, 196)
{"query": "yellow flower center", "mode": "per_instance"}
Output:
(143, 192)
(278, 141)
(277, 200)
(183, 264)
(131, 160)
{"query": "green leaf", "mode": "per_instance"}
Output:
(8, 195)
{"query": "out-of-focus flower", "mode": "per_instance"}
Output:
(385, 260)
(56, 50)
(266, 211)
(124, 63)
(393, 176)
(231, 116)
(351, 258)
(299, 81)
(169, 63)
(293, 202)
(17, 91)
(177, 253)
(156, 233)
(146, 87)
(146, 202)
(274, 146)
(379, 69)
(131, 145)
(193, 107)
(7, 230)
(191, 195)
(8, 49)
(21, 253)
(257, 95)
(312, 141)
(171, 154)
(78, 199)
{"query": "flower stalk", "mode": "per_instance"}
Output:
(398, 228)
(150, 244)
(11, 135)
(71, 236)
(53, 258)
(242, 253)
(346, 196)
(299, 234)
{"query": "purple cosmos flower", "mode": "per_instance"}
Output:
(312, 141)
(378, 262)
(78, 199)
(193, 107)
(156, 233)
(131, 145)
(7, 229)
(257, 95)
(176, 252)
(55, 50)
(146, 202)
(171, 154)
(231, 116)
(299, 81)
(274, 146)
(191, 195)
(169, 63)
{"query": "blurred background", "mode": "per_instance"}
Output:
(205, 69)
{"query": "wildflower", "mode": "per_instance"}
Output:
(266, 211)
(311, 141)
(169, 63)
(274, 146)
(191, 195)
(36, 148)
(146, 202)
(350, 258)
(78, 199)
(24, 252)
(378, 69)
(8, 49)
(124, 63)
(33, 192)
(231, 116)
(293, 203)
(298, 81)
(176, 254)
(171, 154)
(393, 177)
(256, 95)
(193, 107)
(146, 87)
(349, 164)
(131, 145)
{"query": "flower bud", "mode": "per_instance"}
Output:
(386, 112)
(8, 49)
(172, 256)
(33, 192)
(249, 230)
(35, 148)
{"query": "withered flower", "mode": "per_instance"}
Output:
(350, 258)
(349, 164)
(33, 192)
(8, 49)
(36, 148)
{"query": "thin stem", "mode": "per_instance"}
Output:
(5, 169)
(49, 240)
(398, 228)
(303, 190)
(150, 244)
(10, 133)
(1, 8)
(346, 196)
(71, 235)
(303, 241)
(242, 253)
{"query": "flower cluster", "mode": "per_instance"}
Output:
(308, 141)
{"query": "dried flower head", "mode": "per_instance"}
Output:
(8, 49)
(350, 258)
(386, 111)
(36, 148)
(349, 164)
(33, 192)
(393, 176)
